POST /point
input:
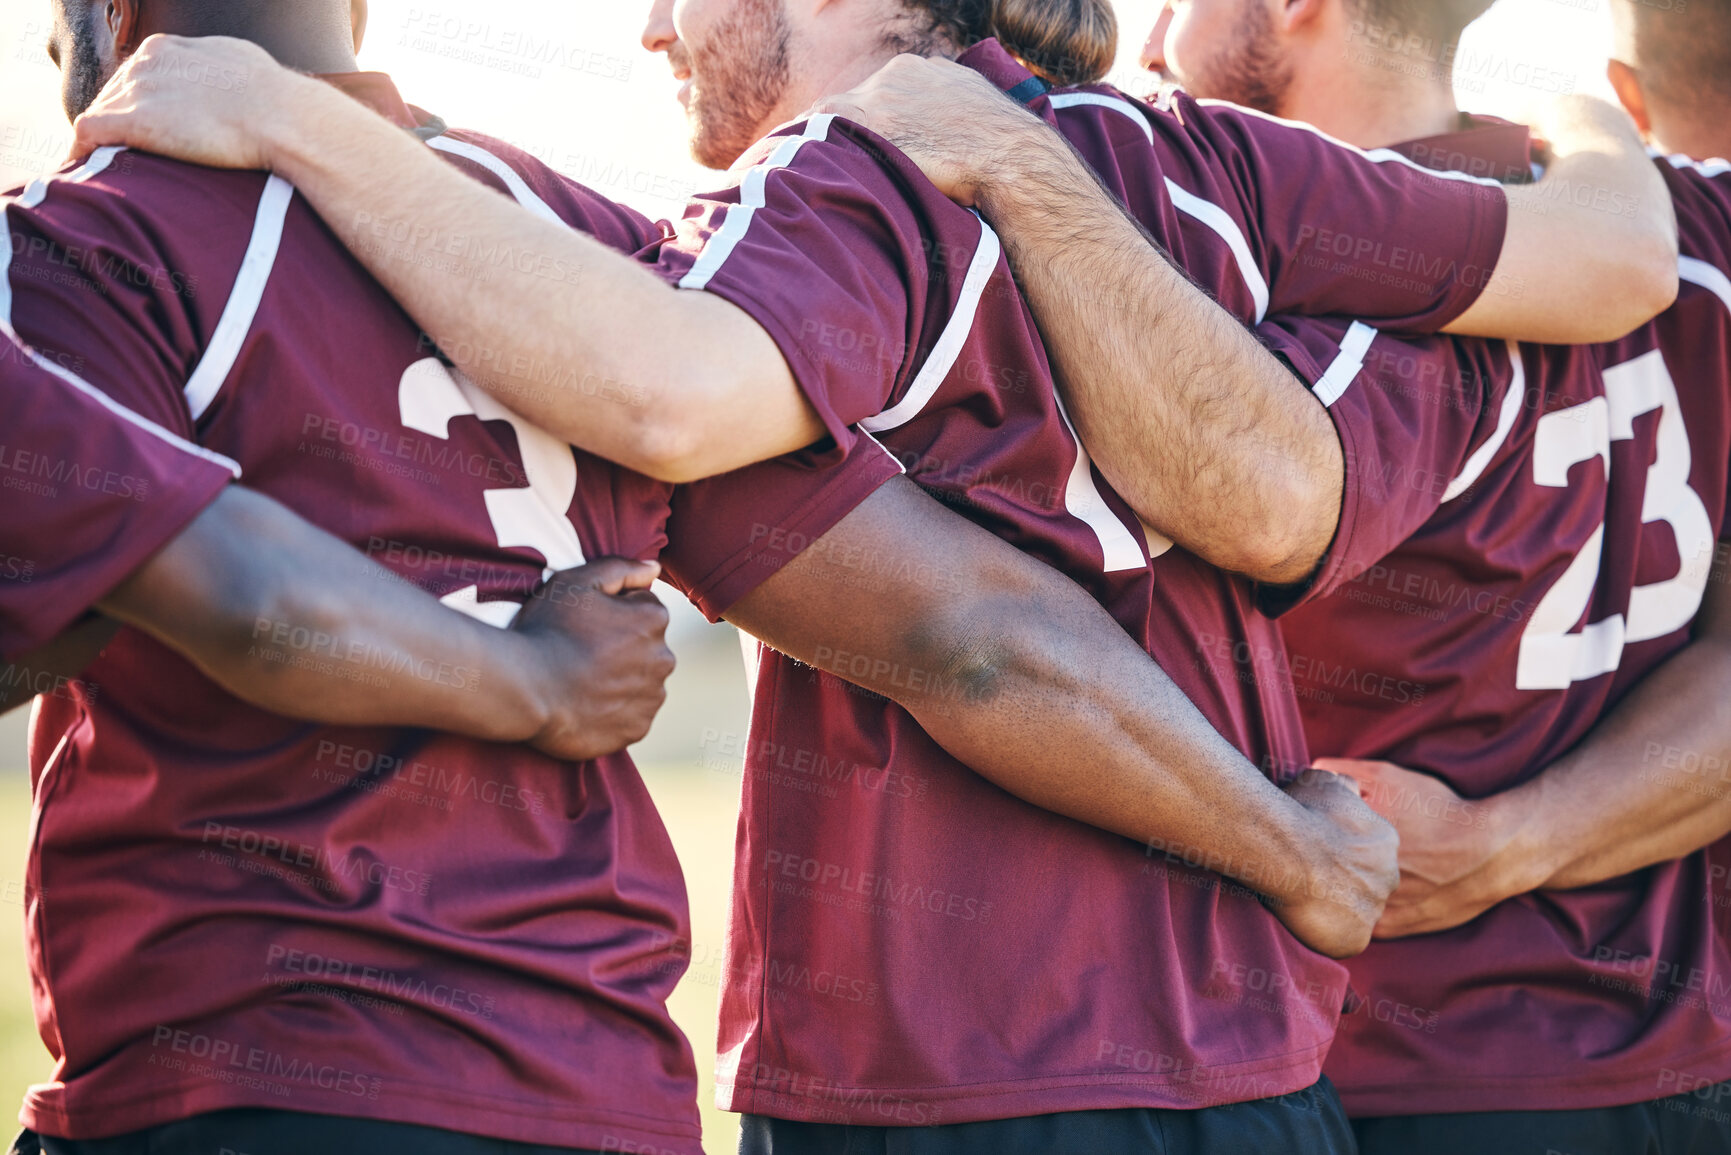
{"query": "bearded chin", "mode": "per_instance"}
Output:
(742, 72)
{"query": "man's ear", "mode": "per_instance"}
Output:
(1627, 82)
(358, 21)
(121, 18)
(1293, 17)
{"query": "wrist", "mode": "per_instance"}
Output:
(1525, 856)
(1025, 157)
(513, 689)
(292, 105)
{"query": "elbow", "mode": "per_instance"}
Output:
(669, 449)
(1289, 540)
(1646, 277)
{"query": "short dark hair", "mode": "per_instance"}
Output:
(1441, 20)
(1682, 49)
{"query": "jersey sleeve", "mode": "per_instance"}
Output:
(1419, 420)
(1701, 196)
(817, 243)
(1293, 221)
(729, 534)
(92, 491)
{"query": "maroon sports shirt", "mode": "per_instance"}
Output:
(909, 944)
(1563, 562)
(91, 491)
(227, 908)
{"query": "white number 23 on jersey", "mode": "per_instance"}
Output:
(1554, 654)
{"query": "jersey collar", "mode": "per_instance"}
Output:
(1481, 146)
(379, 93)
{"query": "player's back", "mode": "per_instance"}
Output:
(1566, 562)
(233, 909)
(865, 851)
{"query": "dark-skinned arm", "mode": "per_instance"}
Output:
(1060, 707)
(289, 618)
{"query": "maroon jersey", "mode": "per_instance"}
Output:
(92, 490)
(864, 851)
(1562, 563)
(227, 908)
(1273, 217)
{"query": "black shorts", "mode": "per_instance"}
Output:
(266, 1132)
(1307, 1122)
(1688, 1124)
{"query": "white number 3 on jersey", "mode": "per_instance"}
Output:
(1553, 653)
(428, 397)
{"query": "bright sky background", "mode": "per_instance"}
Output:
(601, 109)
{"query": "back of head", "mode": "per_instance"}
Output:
(1062, 41)
(1681, 50)
(1441, 21)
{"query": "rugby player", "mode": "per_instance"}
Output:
(1514, 618)
(242, 587)
(785, 833)
(531, 1009)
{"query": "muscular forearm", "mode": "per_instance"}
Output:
(577, 338)
(290, 619)
(1208, 437)
(1591, 249)
(1028, 681)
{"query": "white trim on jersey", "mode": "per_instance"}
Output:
(1214, 217)
(1343, 370)
(1374, 155)
(885, 448)
(223, 349)
(519, 188)
(949, 345)
(30, 198)
(752, 193)
(1205, 212)
(1119, 549)
(1701, 273)
(1100, 100)
(1714, 166)
(1512, 401)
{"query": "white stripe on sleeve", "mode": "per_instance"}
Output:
(1341, 372)
(752, 191)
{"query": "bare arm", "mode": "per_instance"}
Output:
(1651, 782)
(1591, 249)
(1204, 433)
(289, 618)
(712, 392)
(1048, 697)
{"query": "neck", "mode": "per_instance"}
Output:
(1688, 136)
(831, 73)
(318, 44)
(1374, 98)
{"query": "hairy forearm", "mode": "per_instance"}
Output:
(1019, 674)
(550, 321)
(1208, 437)
(292, 620)
(1591, 249)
